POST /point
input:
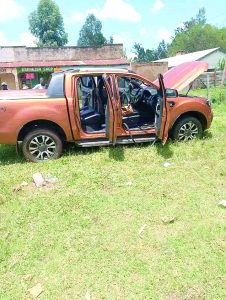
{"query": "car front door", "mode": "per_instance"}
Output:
(161, 113)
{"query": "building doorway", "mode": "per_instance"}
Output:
(8, 78)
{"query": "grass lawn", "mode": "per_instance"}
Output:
(81, 239)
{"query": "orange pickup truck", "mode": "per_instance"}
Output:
(103, 107)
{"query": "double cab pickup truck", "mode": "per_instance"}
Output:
(97, 107)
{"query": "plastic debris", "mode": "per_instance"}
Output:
(87, 296)
(166, 164)
(141, 231)
(222, 203)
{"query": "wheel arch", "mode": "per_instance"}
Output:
(41, 124)
(196, 114)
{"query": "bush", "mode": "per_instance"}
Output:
(218, 95)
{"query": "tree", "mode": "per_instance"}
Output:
(200, 19)
(90, 33)
(142, 55)
(46, 24)
(148, 55)
(197, 35)
(199, 38)
(111, 40)
(162, 50)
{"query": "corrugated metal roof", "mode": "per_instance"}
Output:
(92, 62)
(182, 58)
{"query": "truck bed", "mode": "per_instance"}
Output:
(22, 94)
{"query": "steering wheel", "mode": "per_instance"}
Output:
(138, 97)
(124, 98)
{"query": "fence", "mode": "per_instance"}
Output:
(210, 79)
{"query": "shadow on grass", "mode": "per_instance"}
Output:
(9, 155)
(164, 150)
(72, 149)
(207, 135)
(117, 153)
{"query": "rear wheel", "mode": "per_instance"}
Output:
(41, 145)
(187, 129)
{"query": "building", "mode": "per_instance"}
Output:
(211, 56)
(21, 64)
(149, 70)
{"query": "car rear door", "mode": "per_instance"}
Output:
(161, 113)
(111, 109)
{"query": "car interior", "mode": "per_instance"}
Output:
(138, 103)
(93, 98)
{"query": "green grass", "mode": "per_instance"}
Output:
(216, 94)
(82, 236)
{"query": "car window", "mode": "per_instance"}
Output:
(56, 86)
(85, 91)
(130, 88)
(91, 92)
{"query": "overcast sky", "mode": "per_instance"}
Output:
(128, 21)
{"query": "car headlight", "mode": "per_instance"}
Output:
(208, 102)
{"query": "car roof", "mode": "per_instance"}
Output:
(95, 70)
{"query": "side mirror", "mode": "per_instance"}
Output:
(171, 93)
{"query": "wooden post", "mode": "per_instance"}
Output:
(208, 86)
(223, 75)
(215, 77)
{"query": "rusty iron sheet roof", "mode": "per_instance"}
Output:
(91, 62)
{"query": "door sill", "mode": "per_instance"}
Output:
(128, 140)
(120, 140)
(92, 143)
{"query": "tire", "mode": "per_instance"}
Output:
(187, 129)
(41, 145)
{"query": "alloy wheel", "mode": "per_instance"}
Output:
(188, 131)
(42, 147)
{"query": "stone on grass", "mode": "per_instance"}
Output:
(222, 203)
(36, 290)
(38, 179)
(28, 277)
(168, 220)
(50, 179)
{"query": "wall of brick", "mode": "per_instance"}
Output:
(23, 54)
(149, 70)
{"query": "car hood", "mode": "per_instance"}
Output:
(182, 75)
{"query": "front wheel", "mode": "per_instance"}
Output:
(187, 129)
(41, 145)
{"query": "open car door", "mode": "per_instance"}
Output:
(111, 109)
(161, 113)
